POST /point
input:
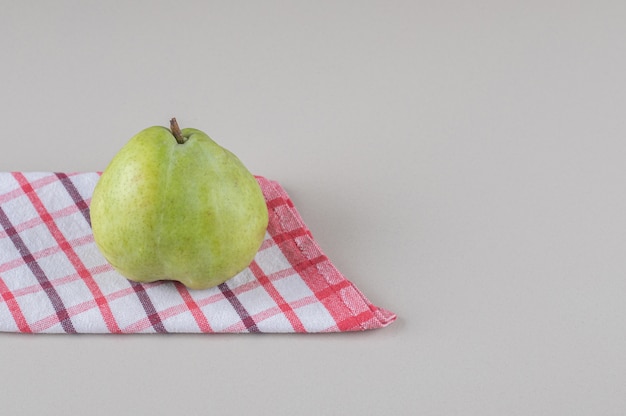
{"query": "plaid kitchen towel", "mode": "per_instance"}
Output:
(53, 278)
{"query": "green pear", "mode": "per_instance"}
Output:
(174, 205)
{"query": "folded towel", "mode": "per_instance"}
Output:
(53, 279)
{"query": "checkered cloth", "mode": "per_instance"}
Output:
(53, 278)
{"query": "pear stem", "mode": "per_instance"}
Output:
(176, 131)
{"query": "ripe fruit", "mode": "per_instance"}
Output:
(174, 205)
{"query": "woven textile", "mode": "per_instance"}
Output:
(53, 279)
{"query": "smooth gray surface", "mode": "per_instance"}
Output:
(461, 162)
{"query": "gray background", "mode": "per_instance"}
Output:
(461, 162)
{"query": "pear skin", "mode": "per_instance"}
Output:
(175, 205)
